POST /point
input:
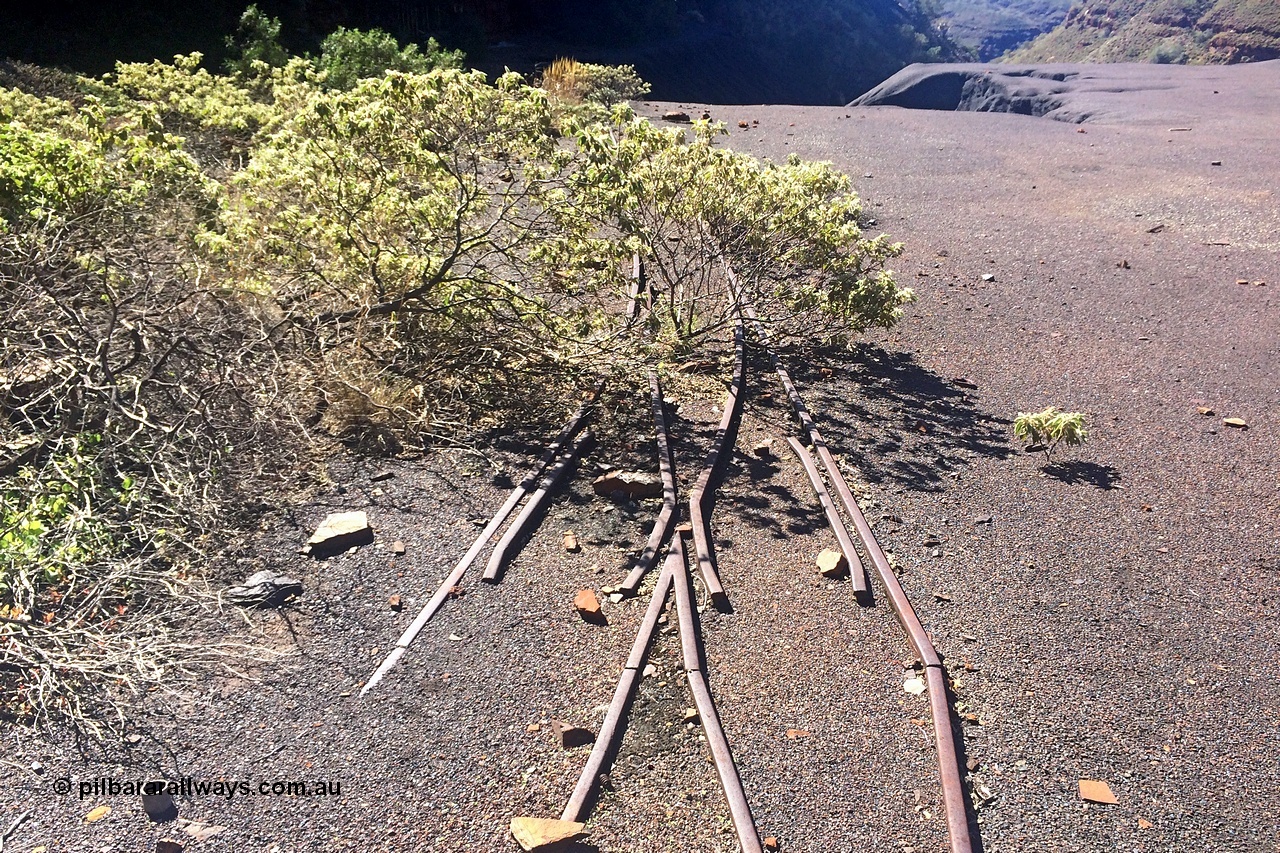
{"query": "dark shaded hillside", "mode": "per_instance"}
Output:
(745, 51)
(1164, 31)
(992, 27)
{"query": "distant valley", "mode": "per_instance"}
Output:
(1162, 31)
(992, 27)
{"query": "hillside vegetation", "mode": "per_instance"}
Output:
(709, 51)
(1167, 31)
(992, 27)
(208, 279)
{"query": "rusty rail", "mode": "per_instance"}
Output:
(698, 500)
(638, 286)
(567, 433)
(744, 823)
(953, 793)
(502, 551)
(606, 744)
(666, 465)
(856, 572)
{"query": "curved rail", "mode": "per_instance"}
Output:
(502, 551)
(744, 823)
(567, 433)
(698, 500)
(662, 525)
(856, 572)
(940, 710)
(606, 744)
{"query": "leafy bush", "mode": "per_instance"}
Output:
(790, 231)
(255, 45)
(1050, 428)
(577, 82)
(185, 91)
(347, 56)
(390, 262)
(125, 381)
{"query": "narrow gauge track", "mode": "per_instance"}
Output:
(676, 576)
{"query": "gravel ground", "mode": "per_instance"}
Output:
(1109, 616)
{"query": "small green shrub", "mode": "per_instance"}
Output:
(1050, 428)
(255, 45)
(347, 56)
(585, 83)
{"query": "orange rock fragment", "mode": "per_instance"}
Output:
(588, 606)
(1096, 791)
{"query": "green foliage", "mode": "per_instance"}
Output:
(255, 46)
(790, 230)
(347, 56)
(185, 90)
(48, 528)
(57, 162)
(404, 257)
(1050, 428)
(122, 379)
(585, 83)
(1168, 52)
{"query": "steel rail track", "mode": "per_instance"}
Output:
(699, 500)
(676, 575)
(567, 434)
(857, 573)
(953, 793)
(666, 465)
(519, 527)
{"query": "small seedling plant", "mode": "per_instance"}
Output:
(1050, 428)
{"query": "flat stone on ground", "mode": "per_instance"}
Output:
(338, 532)
(633, 484)
(536, 833)
(570, 735)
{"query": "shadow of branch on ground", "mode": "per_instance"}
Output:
(1076, 472)
(894, 420)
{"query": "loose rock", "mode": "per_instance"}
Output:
(168, 845)
(202, 831)
(675, 115)
(536, 833)
(763, 449)
(338, 532)
(570, 735)
(1235, 423)
(588, 606)
(1096, 791)
(397, 548)
(160, 808)
(571, 543)
(395, 603)
(265, 589)
(632, 484)
(832, 564)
